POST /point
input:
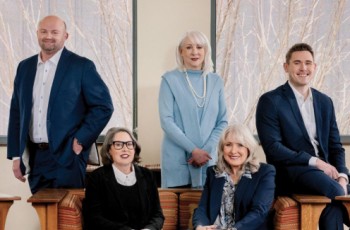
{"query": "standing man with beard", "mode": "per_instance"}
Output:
(59, 106)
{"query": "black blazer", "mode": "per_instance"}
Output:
(102, 205)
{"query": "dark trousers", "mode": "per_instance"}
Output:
(310, 180)
(42, 169)
(47, 173)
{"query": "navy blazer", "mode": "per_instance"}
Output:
(102, 206)
(284, 137)
(252, 199)
(79, 106)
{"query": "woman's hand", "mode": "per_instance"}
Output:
(199, 157)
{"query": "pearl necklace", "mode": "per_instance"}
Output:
(194, 93)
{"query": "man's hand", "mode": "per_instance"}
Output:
(328, 169)
(77, 147)
(199, 157)
(17, 170)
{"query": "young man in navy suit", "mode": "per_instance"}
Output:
(59, 107)
(298, 131)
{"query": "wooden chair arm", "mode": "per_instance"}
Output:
(5, 203)
(46, 203)
(311, 207)
(346, 202)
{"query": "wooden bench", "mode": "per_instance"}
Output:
(291, 213)
(61, 208)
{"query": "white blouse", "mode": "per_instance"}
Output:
(125, 179)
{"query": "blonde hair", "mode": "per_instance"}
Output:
(242, 135)
(198, 38)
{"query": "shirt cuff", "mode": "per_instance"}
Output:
(15, 158)
(312, 161)
(344, 176)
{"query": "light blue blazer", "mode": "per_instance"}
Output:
(184, 130)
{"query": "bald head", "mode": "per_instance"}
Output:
(53, 18)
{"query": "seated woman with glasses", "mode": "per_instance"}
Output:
(121, 194)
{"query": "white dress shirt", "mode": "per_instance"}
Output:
(306, 108)
(45, 74)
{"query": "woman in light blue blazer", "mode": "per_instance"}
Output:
(192, 114)
(239, 191)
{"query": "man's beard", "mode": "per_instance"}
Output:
(48, 47)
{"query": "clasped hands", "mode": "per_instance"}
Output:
(199, 157)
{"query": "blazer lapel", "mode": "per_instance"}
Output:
(318, 117)
(288, 92)
(241, 188)
(142, 187)
(215, 197)
(30, 83)
(28, 102)
(111, 180)
(59, 75)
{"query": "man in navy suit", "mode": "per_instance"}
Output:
(59, 107)
(298, 131)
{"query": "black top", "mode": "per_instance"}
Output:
(107, 204)
(130, 199)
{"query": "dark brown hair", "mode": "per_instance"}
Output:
(298, 47)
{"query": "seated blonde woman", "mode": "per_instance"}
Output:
(239, 190)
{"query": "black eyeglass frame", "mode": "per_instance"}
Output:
(124, 143)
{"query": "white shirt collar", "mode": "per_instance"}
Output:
(125, 179)
(299, 96)
(54, 59)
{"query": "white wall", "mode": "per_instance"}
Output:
(161, 23)
(21, 214)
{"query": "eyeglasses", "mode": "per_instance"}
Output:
(120, 144)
